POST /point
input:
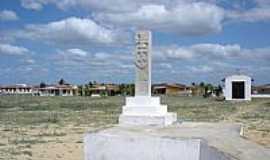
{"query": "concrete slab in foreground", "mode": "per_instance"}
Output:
(186, 141)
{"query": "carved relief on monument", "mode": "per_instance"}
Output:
(141, 64)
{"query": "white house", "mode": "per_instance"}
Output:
(57, 90)
(17, 89)
(50, 90)
(237, 87)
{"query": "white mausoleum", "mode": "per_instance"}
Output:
(237, 87)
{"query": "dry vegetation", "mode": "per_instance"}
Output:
(41, 128)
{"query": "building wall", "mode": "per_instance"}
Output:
(173, 91)
(57, 92)
(178, 91)
(263, 90)
(237, 78)
(197, 91)
(16, 90)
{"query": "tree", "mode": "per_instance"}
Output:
(131, 89)
(87, 90)
(208, 90)
(219, 90)
(122, 89)
(127, 89)
(90, 84)
(81, 90)
(61, 82)
(202, 84)
(42, 85)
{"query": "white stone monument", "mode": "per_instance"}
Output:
(143, 109)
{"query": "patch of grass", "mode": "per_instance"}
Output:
(29, 153)
(267, 104)
(23, 140)
(260, 112)
(53, 133)
(199, 109)
(249, 115)
(2, 144)
(36, 110)
(53, 117)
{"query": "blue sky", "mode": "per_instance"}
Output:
(86, 40)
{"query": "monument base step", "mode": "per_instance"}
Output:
(145, 111)
(148, 120)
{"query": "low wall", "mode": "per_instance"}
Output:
(260, 95)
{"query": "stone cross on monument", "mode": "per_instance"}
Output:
(143, 109)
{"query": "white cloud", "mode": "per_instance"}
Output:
(77, 52)
(216, 50)
(35, 4)
(257, 53)
(166, 65)
(78, 56)
(175, 52)
(201, 69)
(213, 51)
(200, 50)
(8, 15)
(102, 56)
(93, 5)
(71, 30)
(180, 16)
(8, 49)
(251, 15)
(242, 11)
(104, 5)
(29, 61)
(185, 18)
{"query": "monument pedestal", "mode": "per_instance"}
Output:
(187, 141)
(145, 111)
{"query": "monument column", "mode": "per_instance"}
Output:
(143, 109)
(143, 63)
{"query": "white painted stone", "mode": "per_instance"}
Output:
(143, 105)
(142, 101)
(112, 147)
(237, 78)
(147, 120)
(187, 141)
(144, 110)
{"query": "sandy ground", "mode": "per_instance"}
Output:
(41, 143)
